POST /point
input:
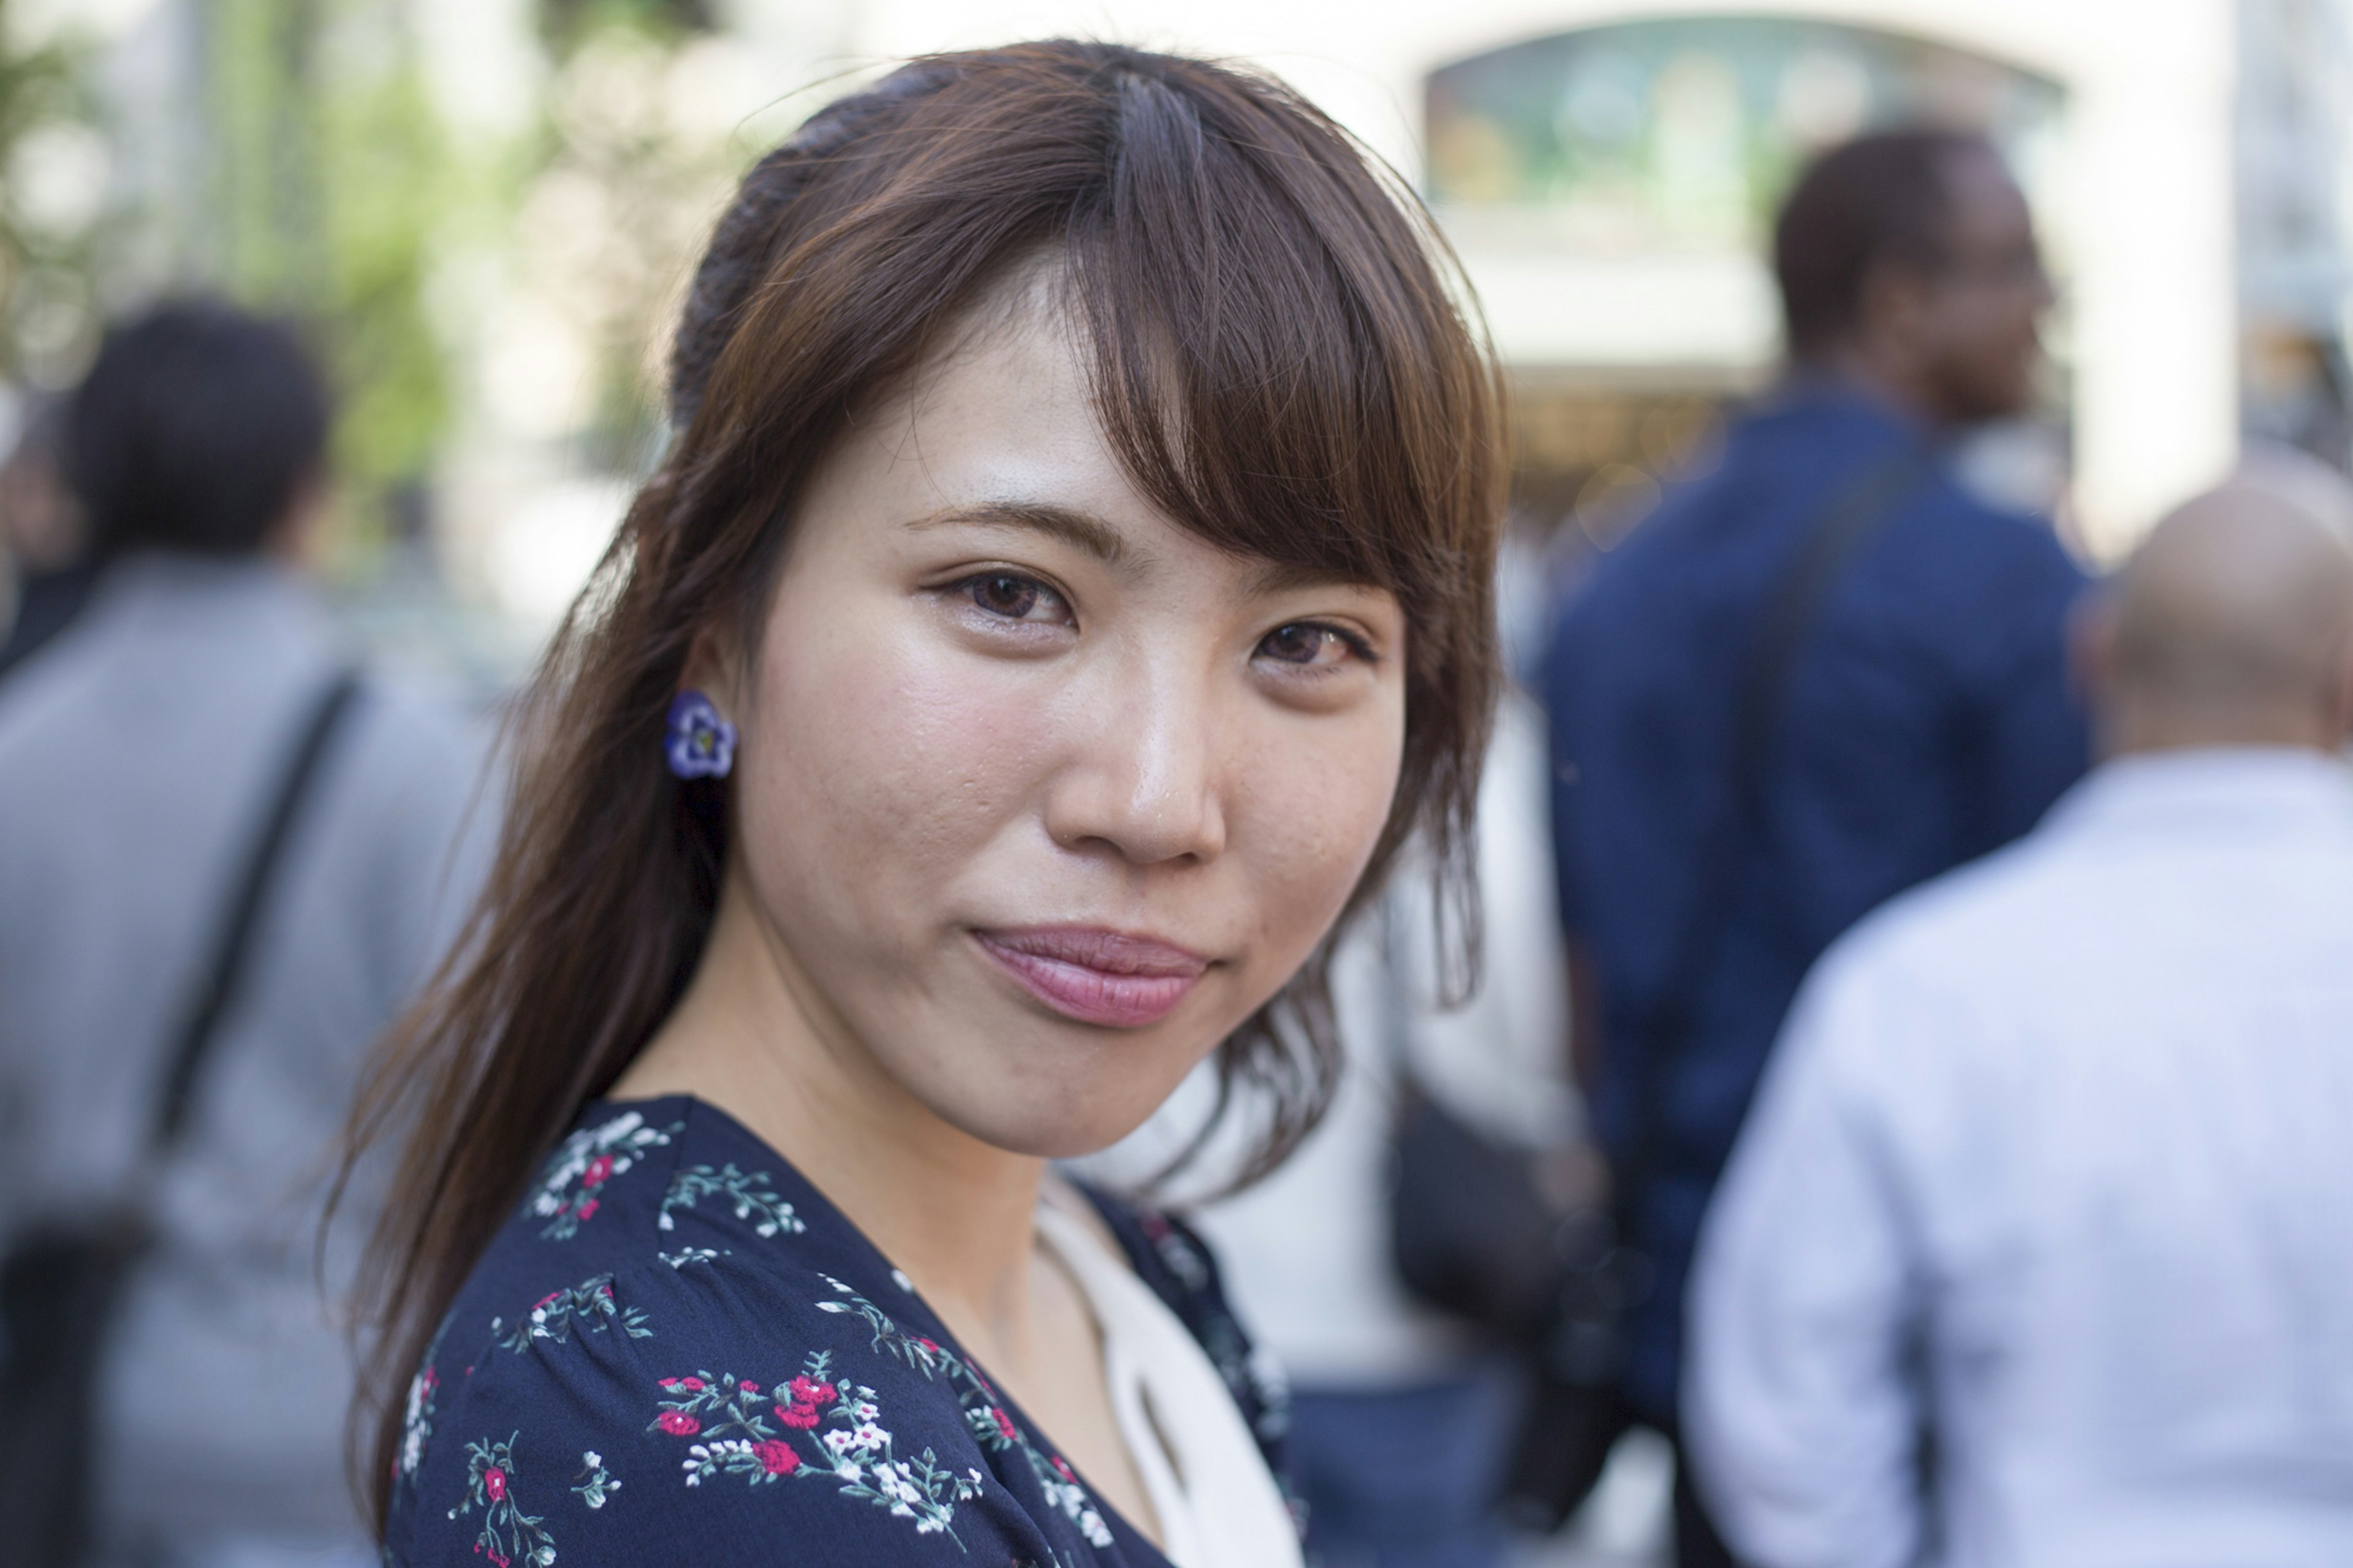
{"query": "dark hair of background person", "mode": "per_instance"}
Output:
(1882, 198)
(1278, 366)
(195, 431)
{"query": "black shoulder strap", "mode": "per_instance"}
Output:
(1853, 513)
(233, 937)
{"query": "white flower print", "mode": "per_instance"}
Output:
(592, 1156)
(984, 1412)
(746, 1192)
(599, 1486)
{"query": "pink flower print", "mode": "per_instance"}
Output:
(599, 1172)
(803, 1417)
(807, 1393)
(749, 1388)
(495, 1481)
(694, 1384)
(1063, 1470)
(931, 1345)
(776, 1458)
(677, 1423)
(543, 1301)
(588, 1209)
(670, 1383)
(1004, 1423)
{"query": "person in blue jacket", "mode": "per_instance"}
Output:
(1924, 717)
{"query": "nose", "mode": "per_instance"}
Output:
(1143, 774)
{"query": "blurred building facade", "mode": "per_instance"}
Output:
(491, 206)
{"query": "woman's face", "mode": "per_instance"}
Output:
(1041, 794)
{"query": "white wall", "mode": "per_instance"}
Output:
(2146, 201)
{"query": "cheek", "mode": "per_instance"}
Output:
(1313, 814)
(879, 763)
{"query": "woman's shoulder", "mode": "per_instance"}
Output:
(672, 1351)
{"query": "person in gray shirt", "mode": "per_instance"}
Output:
(138, 752)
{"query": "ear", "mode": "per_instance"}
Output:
(293, 537)
(1892, 301)
(715, 666)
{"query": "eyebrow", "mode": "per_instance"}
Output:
(1278, 577)
(1092, 534)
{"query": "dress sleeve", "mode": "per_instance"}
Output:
(683, 1413)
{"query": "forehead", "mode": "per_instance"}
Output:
(1004, 410)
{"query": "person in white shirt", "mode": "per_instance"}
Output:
(2039, 1248)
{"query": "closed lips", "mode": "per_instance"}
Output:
(1095, 975)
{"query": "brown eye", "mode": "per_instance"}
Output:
(1003, 594)
(1304, 643)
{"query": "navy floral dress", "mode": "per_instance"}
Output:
(679, 1351)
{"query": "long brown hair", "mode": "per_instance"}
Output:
(1277, 363)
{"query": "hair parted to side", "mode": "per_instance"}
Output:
(1881, 197)
(1278, 366)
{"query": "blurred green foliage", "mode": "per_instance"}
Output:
(312, 176)
(333, 176)
(568, 23)
(45, 266)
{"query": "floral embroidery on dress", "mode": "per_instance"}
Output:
(686, 1255)
(732, 1419)
(749, 1192)
(508, 1535)
(1062, 1490)
(1176, 1250)
(983, 1412)
(599, 1483)
(590, 1302)
(592, 1156)
(417, 1421)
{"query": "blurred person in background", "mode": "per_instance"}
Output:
(1821, 673)
(1399, 1413)
(140, 758)
(41, 535)
(2038, 1248)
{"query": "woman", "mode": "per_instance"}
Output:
(1067, 587)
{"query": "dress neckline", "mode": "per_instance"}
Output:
(819, 1207)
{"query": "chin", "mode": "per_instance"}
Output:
(1050, 1134)
(1067, 1108)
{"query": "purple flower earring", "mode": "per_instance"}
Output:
(700, 744)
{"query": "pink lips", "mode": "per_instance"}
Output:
(1095, 975)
